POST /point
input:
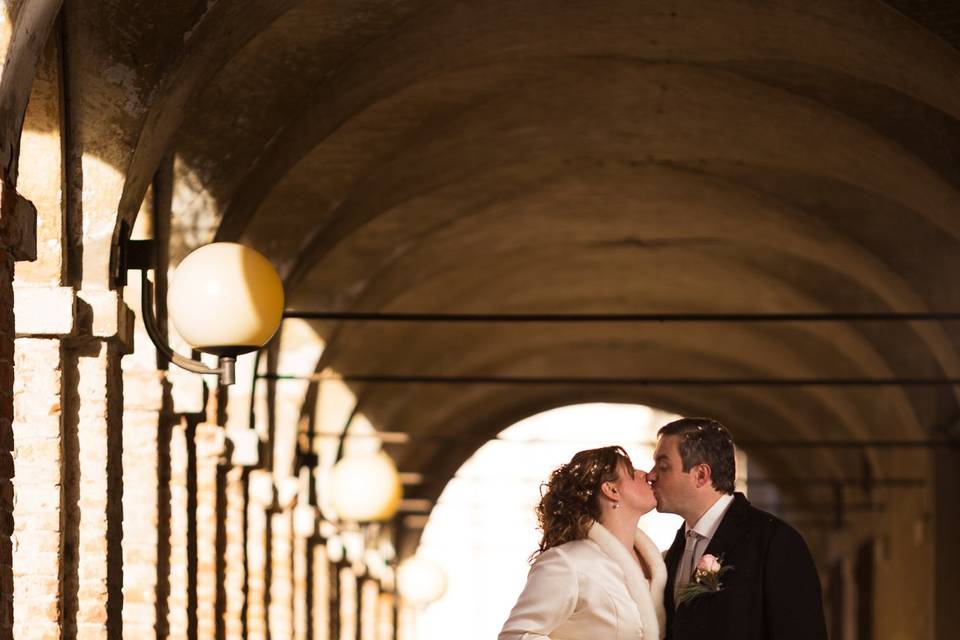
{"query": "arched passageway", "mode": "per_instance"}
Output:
(468, 163)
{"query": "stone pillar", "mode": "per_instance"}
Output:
(210, 443)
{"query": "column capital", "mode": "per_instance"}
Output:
(261, 488)
(49, 312)
(103, 315)
(64, 312)
(246, 446)
(211, 440)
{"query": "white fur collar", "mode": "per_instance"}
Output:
(647, 595)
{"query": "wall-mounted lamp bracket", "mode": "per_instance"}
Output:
(141, 255)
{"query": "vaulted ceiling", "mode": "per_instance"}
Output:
(606, 156)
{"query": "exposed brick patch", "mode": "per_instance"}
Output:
(38, 485)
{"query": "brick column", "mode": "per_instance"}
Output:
(280, 610)
(301, 609)
(387, 606)
(349, 613)
(43, 550)
(369, 608)
(235, 578)
(100, 568)
(262, 497)
(18, 241)
(145, 540)
(179, 609)
(210, 442)
(319, 583)
(406, 623)
(38, 516)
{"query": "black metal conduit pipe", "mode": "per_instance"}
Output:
(373, 316)
(389, 378)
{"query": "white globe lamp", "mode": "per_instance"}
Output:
(421, 581)
(226, 299)
(365, 487)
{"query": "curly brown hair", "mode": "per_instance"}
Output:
(568, 500)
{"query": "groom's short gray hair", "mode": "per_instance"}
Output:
(705, 441)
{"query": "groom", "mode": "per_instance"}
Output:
(770, 590)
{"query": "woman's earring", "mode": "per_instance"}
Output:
(616, 505)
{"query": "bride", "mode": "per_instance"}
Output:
(595, 574)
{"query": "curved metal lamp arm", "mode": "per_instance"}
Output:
(227, 369)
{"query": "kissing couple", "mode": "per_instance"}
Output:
(734, 572)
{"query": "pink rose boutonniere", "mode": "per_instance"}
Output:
(706, 579)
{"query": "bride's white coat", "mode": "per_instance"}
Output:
(590, 589)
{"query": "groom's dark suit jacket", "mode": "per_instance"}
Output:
(771, 593)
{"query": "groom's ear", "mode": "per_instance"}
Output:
(703, 474)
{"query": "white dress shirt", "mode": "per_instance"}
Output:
(706, 527)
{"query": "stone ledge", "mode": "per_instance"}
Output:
(187, 391)
(18, 224)
(246, 446)
(210, 440)
(44, 311)
(261, 488)
(103, 314)
(61, 312)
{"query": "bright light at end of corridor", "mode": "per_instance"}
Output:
(483, 528)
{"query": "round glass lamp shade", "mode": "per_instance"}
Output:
(365, 487)
(421, 581)
(226, 299)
